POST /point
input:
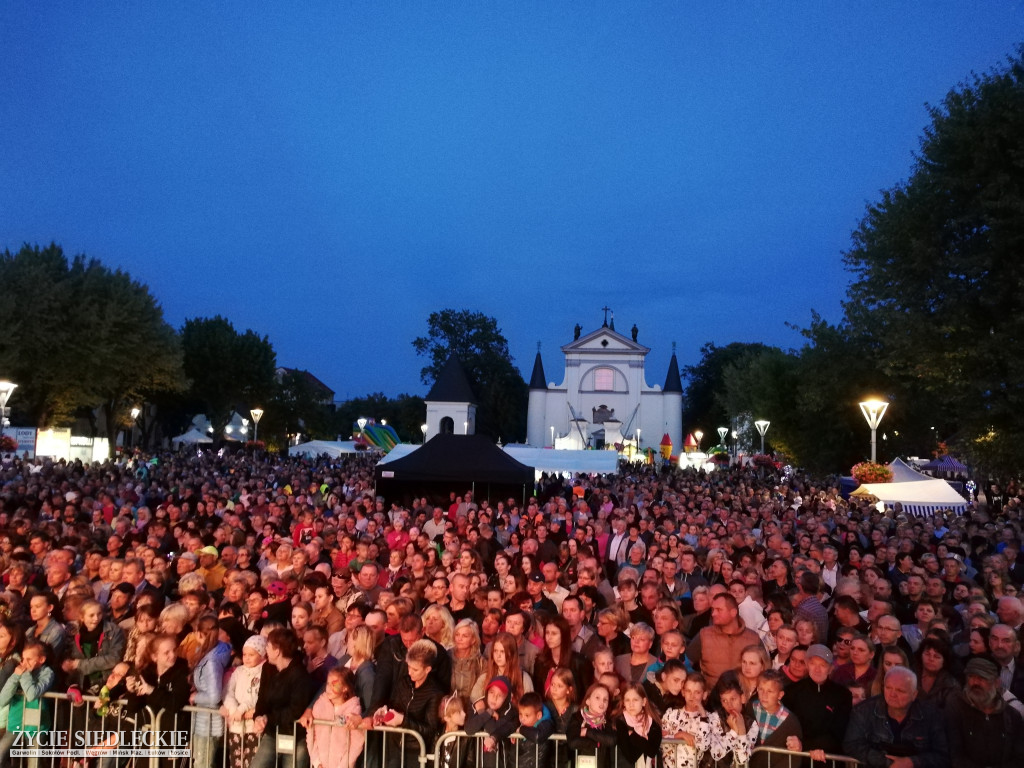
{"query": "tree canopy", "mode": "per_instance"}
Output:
(482, 349)
(77, 334)
(938, 270)
(228, 370)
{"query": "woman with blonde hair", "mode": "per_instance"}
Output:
(360, 647)
(208, 659)
(467, 661)
(439, 626)
(503, 661)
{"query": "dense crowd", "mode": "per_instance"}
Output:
(653, 616)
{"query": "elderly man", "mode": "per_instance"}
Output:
(895, 731)
(718, 647)
(983, 729)
(1004, 644)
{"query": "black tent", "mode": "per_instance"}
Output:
(456, 463)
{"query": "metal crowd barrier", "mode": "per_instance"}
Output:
(334, 744)
(791, 759)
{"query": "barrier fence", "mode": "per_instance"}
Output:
(213, 742)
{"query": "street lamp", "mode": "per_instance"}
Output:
(257, 414)
(638, 438)
(762, 427)
(423, 429)
(135, 418)
(735, 443)
(465, 427)
(552, 436)
(722, 432)
(361, 421)
(873, 411)
(6, 390)
(699, 436)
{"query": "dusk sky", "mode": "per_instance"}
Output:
(328, 174)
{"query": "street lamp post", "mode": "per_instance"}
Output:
(135, 419)
(873, 411)
(6, 390)
(722, 432)
(552, 436)
(361, 421)
(735, 444)
(698, 435)
(257, 414)
(762, 427)
(638, 438)
(423, 429)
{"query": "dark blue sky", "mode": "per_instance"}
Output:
(328, 175)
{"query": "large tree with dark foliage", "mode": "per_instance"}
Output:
(80, 335)
(938, 266)
(228, 370)
(483, 350)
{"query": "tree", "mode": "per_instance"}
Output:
(937, 264)
(78, 335)
(703, 406)
(475, 338)
(228, 370)
(404, 413)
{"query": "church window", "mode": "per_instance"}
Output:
(604, 379)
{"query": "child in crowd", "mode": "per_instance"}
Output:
(498, 720)
(637, 728)
(339, 745)
(775, 725)
(666, 689)
(613, 683)
(535, 728)
(730, 731)
(453, 749)
(589, 732)
(689, 722)
(561, 703)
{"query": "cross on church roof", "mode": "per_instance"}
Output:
(606, 311)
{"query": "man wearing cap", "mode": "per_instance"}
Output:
(541, 602)
(983, 729)
(210, 568)
(822, 706)
(896, 731)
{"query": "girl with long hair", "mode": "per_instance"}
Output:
(503, 662)
(589, 731)
(558, 652)
(338, 745)
(637, 728)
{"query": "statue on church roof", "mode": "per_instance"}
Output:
(635, 331)
(576, 332)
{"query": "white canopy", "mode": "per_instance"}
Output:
(191, 437)
(565, 461)
(919, 496)
(398, 452)
(333, 448)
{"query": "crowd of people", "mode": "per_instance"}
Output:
(655, 616)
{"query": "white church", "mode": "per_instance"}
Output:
(604, 398)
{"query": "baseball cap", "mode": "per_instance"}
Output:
(819, 651)
(501, 682)
(209, 550)
(536, 576)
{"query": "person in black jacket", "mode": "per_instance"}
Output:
(414, 704)
(589, 731)
(637, 729)
(161, 685)
(498, 719)
(286, 689)
(821, 706)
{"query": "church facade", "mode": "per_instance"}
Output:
(604, 397)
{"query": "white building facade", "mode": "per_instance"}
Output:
(604, 397)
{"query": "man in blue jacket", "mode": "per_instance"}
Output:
(895, 731)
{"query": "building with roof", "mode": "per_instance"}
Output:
(451, 404)
(604, 398)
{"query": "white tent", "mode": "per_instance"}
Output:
(399, 451)
(565, 461)
(333, 448)
(191, 437)
(917, 493)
